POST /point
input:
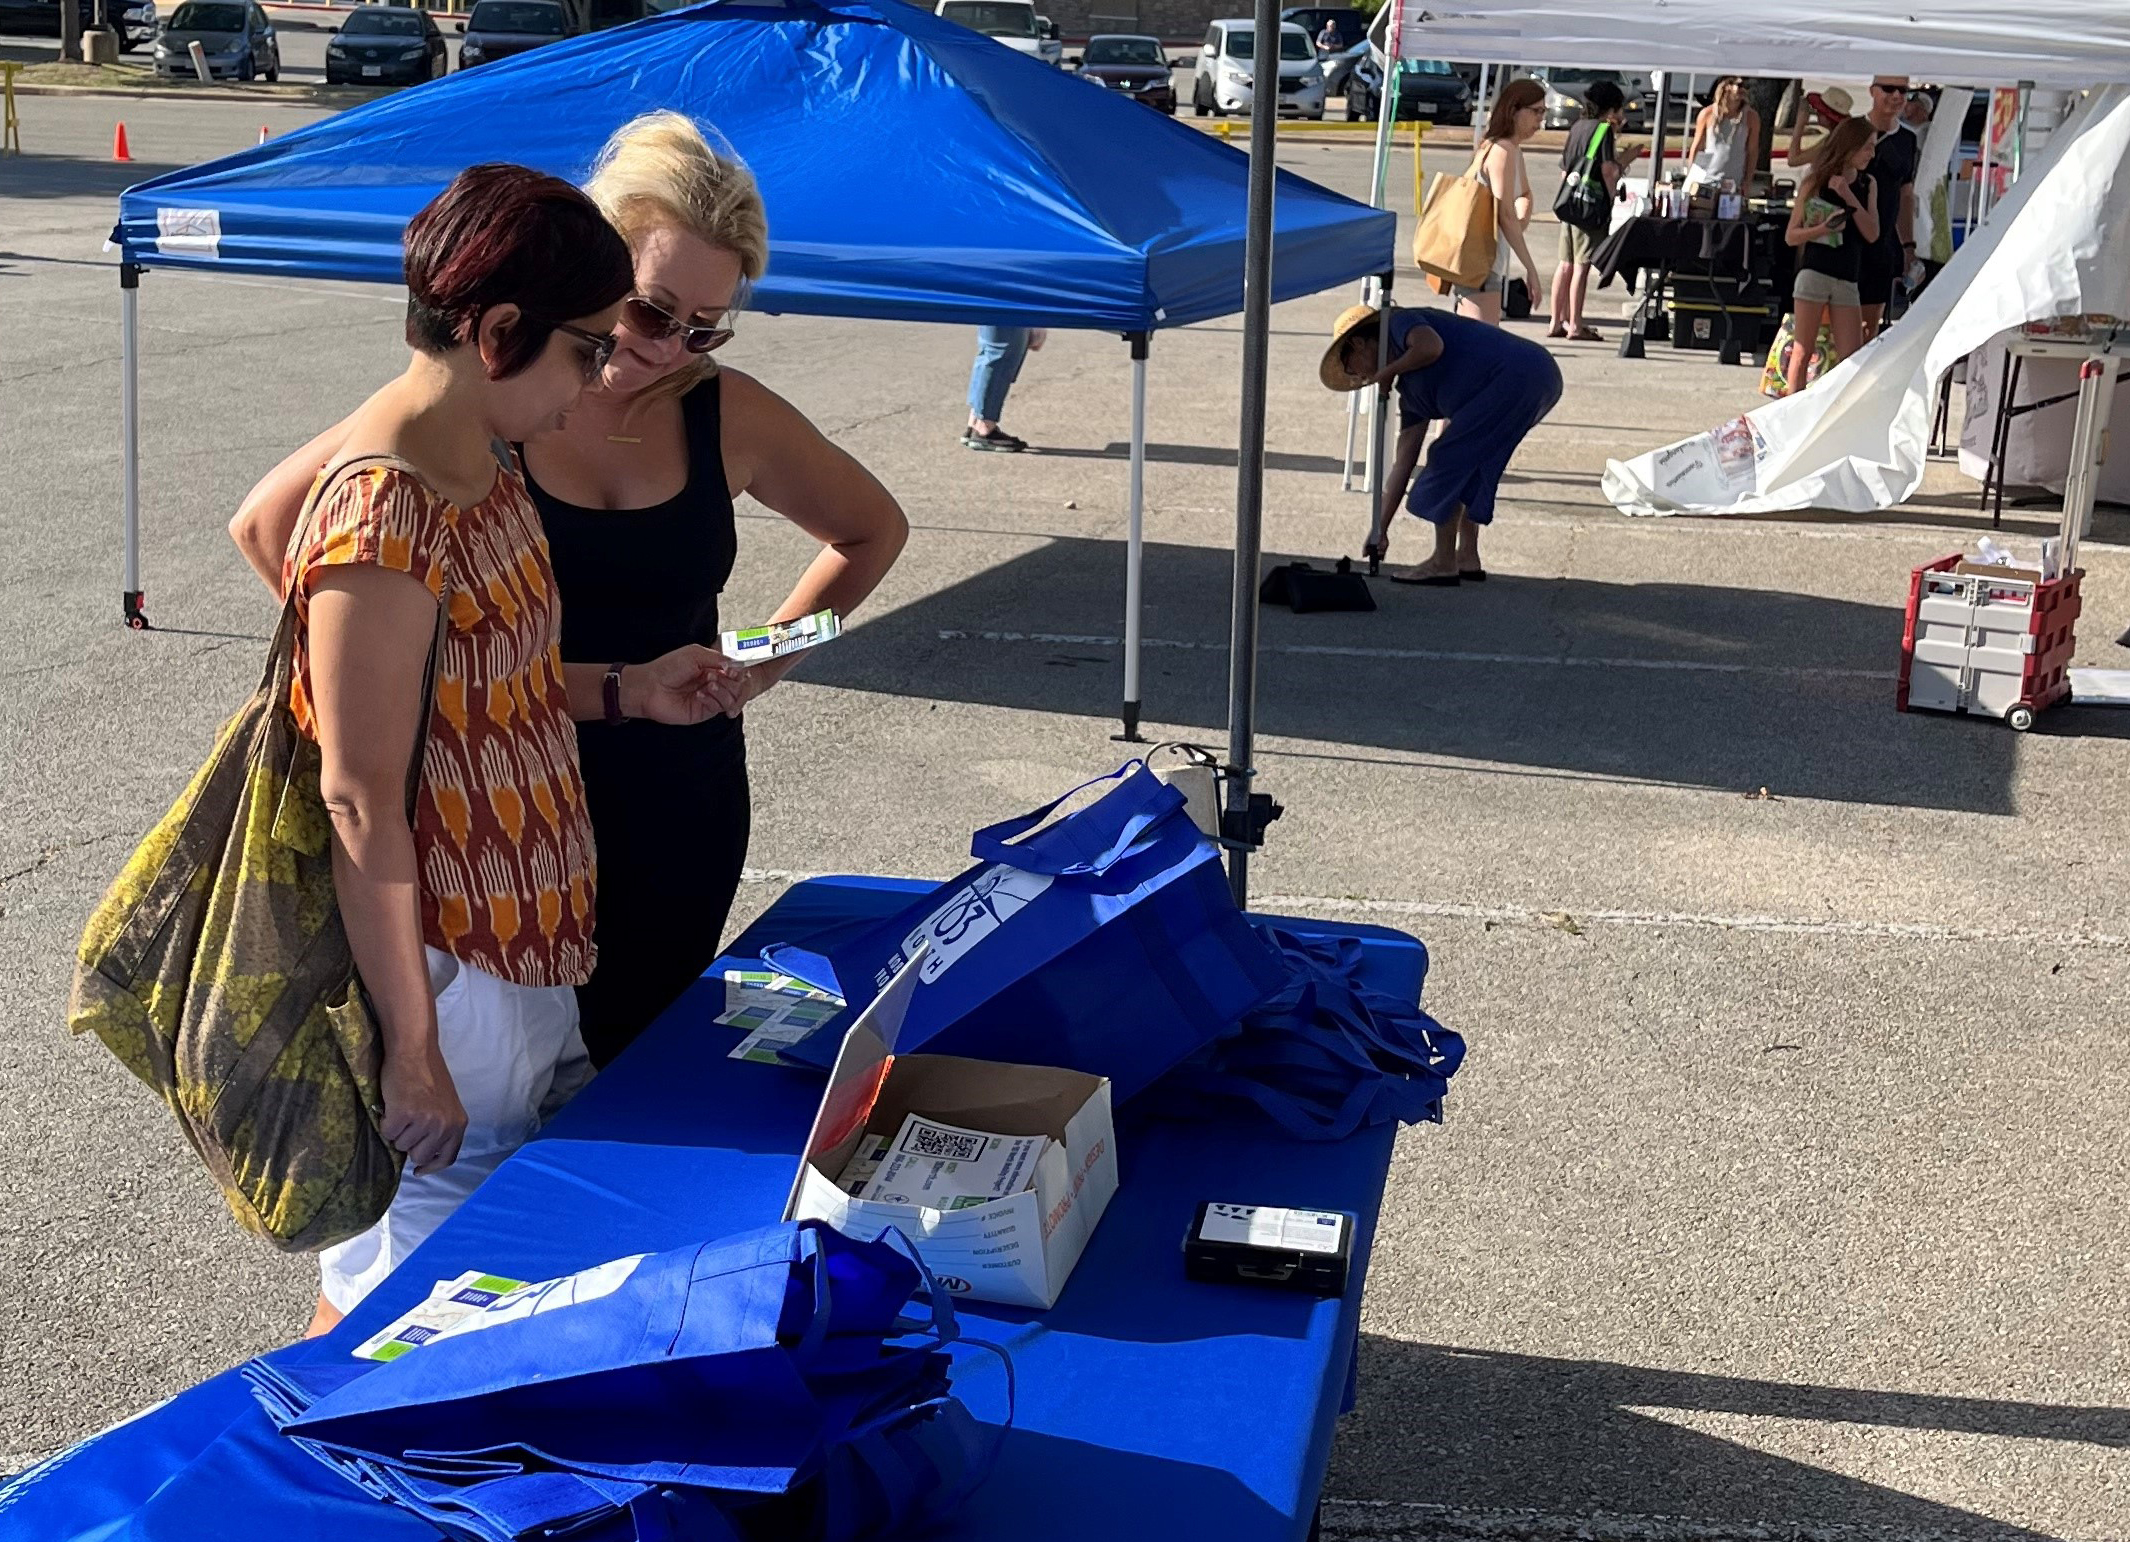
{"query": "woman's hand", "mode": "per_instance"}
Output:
(423, 1116)
(692, 684)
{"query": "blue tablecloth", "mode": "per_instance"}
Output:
(1150, 1406)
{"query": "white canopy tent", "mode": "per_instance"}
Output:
(2071, 43)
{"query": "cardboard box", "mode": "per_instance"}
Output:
(1018, 1250)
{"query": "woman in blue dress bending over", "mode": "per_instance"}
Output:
(1490, 387)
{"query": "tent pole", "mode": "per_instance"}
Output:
(1135, 542)
(1379, 177)
(1379, 420)
(129, 419)
(1236, 823)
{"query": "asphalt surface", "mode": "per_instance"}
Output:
(1784, 1192)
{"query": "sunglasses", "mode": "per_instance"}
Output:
(655, 323)
(1901, 91)
(602, 349)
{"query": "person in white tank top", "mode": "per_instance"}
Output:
(1726, 145)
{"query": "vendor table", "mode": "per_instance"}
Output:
(1149, 1406)
(2097, 352)
(1726, 265)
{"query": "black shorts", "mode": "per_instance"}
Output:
(1875, 275)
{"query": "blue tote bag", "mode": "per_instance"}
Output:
(1106, 942)
(773, 1374)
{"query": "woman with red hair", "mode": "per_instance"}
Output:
(471, 922)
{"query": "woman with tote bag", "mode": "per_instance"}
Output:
(1494, 191)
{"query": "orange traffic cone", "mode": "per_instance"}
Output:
(119, 152)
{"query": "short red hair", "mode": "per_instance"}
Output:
(507, 235)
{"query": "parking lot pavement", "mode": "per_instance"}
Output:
(1783, 1193)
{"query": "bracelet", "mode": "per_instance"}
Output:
(610, 694)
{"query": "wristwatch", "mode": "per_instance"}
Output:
(610, 694)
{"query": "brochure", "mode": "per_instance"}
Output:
(475, 1301)
(775, 1009)
(755, 644)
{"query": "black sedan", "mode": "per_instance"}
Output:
(132, 20)
(1427, 88)
(1136, 66)
(385, 45)
(499, 28)
(235, 37)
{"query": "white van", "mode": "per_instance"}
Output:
(1228, 70)
(1012, 22)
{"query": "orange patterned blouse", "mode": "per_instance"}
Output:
(500, 828)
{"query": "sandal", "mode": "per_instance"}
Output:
(997, 439)
(1586, 335)
(1427, 580)
(1556, 330)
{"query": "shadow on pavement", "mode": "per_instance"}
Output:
(1192, 455)
(1672, 683)
(1472, 1429)
(31, 175)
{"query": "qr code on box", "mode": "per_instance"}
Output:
(950, 1145)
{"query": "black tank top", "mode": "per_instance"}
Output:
(637, 583)
(1843, 259)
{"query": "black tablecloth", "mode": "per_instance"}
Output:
(1742, 251)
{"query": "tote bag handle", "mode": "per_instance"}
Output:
(1081, 844)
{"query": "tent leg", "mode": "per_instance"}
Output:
(1239, 822)
(1379, 175)
(129, 418)
(1379, 424)
(1353, 429)
(1135, 544)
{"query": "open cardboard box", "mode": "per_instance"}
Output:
(1017, 1250)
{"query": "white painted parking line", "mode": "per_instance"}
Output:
(1434, 655)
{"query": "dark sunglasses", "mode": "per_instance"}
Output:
(655, 323)
(1901, 91)
(603, 345)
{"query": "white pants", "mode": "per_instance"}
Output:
(515, 1056)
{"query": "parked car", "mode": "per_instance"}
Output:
(235, 36)
(1566, 87)
(1012, 22)
(1352, 28)
(132, 20)
(385, 45)
(1427, 88)
(1226, 80)
(499, 28)
(1130, 63)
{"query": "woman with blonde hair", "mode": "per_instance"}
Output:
(1726, 145)
(1518, 113)
(635, 493)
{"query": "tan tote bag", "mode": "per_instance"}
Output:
(1457, 234)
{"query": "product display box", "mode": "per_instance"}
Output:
(1017, 1249)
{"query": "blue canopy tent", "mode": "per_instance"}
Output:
(913, 170)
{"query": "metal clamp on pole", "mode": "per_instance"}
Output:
(1205, 784)
(1245, 819)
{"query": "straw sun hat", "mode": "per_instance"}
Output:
(1333, 371)
(1826, 109)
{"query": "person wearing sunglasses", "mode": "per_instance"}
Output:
(422, 558)
(636, 493)
(1893, 174)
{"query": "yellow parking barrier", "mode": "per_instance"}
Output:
(10, 124)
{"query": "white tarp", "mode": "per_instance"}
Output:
(2058, 244)
(2075, 43)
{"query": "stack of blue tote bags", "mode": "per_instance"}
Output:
(769, 1385)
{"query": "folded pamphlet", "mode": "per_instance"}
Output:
(756, 644)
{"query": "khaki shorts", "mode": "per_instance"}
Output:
(1577, 245)
(1824, 288)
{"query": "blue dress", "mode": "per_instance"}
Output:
(1492, 386)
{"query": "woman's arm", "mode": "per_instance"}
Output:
(369, 634)
(267, 517)
(1752, 149)
(1513, 210)
(1423, 346)
(1407, 455)
(1867, 213)
(1798, 233)
(1701, 120)
(792, 468)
